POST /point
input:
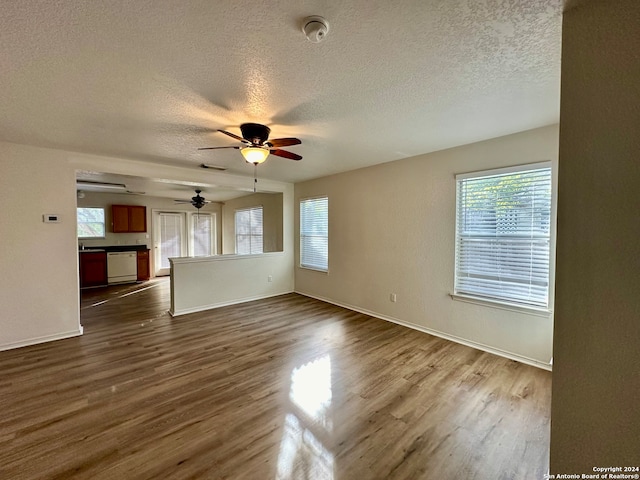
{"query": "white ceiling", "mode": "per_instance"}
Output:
(153, 80)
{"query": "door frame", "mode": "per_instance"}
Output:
(186, 248)
(155, 221)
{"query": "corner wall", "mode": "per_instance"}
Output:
(392, 230)
(38, 261)
(271, 204)
(595, 419)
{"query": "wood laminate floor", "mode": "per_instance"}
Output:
(280, 389)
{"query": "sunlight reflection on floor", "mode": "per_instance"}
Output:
(302, 455)
(113, 294)
(311, 390)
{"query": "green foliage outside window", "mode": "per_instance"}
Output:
(90, 222)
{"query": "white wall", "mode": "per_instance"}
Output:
(38, 261)
(203, 283)
(392, 230)
(595, 419)
(209, 282)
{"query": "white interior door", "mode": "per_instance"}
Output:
(169, 240)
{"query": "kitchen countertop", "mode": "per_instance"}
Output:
(115, 248)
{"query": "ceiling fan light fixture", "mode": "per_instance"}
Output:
(254, 155)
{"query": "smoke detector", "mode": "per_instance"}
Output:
(315, 28)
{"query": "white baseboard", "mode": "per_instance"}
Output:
(202, 308)
(446, 336)
(37, 340)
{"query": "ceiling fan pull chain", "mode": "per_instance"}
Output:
(255, 176)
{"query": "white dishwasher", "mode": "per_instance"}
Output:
(122, 267)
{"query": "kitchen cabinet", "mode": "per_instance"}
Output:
(93, 269)
(143, 265)
(129, 218)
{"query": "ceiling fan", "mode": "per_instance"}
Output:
(196, 201)
(256, 145)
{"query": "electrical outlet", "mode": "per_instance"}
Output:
(393, 297)
(270, 278)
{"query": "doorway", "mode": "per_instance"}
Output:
(180, 234)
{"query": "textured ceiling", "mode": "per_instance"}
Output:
(152, 80)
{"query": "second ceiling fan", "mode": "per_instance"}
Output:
(197, 201)
(256, 145)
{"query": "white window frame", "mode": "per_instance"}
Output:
(251, 234)
(307, 262)
(193, 218)
(157, 225)
(186, 231)
(505, 299)
(104, 222)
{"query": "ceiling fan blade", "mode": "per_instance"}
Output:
(285, 154)
(182, 201)
(215, 148)
(233, 135)
(284, 142)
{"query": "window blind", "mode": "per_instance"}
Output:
(503, 236)
(202, 234)
(314, 233)
(249, 231)
(171, 233)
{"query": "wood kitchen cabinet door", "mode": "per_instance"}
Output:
(120, 218)
(129, 218)
(137, 218)
(143, 265)
(93, 269)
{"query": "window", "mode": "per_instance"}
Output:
(202, 229)
(249, 231)
(314, 233)
(202, 235)
(178, 234)
(503, 235)
(90, 222)
(170, 240)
